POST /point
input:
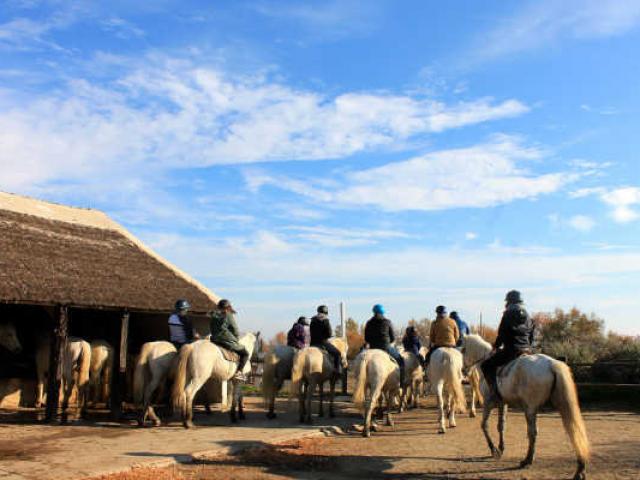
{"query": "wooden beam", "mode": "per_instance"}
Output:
(119, 381)
(56, 357)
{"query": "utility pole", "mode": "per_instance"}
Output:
(343, 322)
(481, 331)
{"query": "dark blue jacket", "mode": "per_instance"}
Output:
(462, 327)
(411, 343)
(180, 330)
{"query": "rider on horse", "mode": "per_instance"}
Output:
(321, 332)
(411, 343)
(378, 333)
(181, 329)
(515, 337)
(463, 328)
(297, 336)
(444, 332)
(224, 333)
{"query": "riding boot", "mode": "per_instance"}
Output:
(401, 377)
(244, 356)
(493, 386)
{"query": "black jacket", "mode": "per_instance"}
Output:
(320, 329)
(378, 332)
(516, 329)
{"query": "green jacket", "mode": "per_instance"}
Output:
(224, 330)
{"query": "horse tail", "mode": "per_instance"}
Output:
(180, 379)
(140, 373)
(565, 398)
(297, 372)
(84, 366)
(453, 377)
(268, 375)
(475, 380)
(359, 393)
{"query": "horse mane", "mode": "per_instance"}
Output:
(475, 348)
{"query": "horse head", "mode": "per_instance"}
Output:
(474, 349)
(9, 338)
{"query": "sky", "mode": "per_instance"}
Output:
(290, 154)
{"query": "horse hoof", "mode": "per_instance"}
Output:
(452, 425)
(496, 454)
(366, 434)
(271, 415)
(441, 431)
(374, 427)
(188, 424)
(525, 463)
(472, 414)
(157, 423)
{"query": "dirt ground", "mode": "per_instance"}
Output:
(413, 449)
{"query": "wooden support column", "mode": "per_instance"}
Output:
(56, 357)
(119, 380)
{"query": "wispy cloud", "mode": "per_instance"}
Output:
(344, 237)
(541, 23)
(484, 175)
(582, 223)
(172, 113)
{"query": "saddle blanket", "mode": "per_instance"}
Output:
(229, 355)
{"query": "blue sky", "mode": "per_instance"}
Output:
(289, 154)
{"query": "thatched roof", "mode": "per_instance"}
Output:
(54, 254)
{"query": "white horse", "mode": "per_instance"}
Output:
(277, 367)
(377, 373)
(9, 338)
(154, 366)
(445, 375)
(414, 379)
(530, 381)
(100, 371)
(198, 362)
(75, 372)
(313, 366)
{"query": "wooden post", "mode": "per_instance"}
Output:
(56, 357)
(119, 380)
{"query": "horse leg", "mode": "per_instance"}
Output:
(486, 413)
(332, 394)
(389, 398)
(234, 400)
(502, 425)
(366, 432)
(321, 395)
(452, 411)
(472, 411)
(311, 387)
(241, 414)
(147, 409)
(189, 393)
(440, 394)
(532, 433)
(277, 385)
(302, 398)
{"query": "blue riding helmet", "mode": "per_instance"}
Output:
(378, 309)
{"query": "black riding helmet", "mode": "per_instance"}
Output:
(441, 310)
(303, 321)
(513, 296)
(182, 304)
(225, 304)
(323, 309)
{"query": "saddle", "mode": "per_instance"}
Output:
(229, 355)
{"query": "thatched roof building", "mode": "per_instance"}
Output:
(57, 255)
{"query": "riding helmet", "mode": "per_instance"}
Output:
(323, 309)
(182, 304)
(303, 321)
(441, 310)
(378, 309)
(513, 296)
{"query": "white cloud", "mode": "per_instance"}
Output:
(622, 200)
(585, 192)
(546, 22)
(171, 113)
(582, 223)
(480, 176)
(344, 237)
(470, 236)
